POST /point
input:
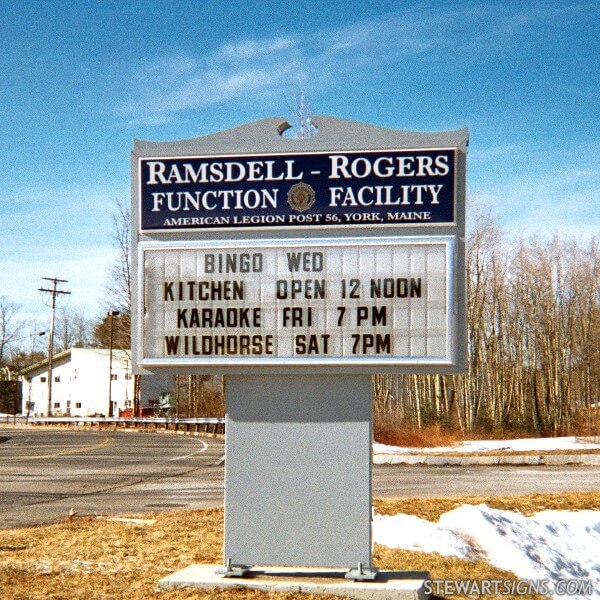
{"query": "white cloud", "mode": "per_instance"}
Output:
(164, 91)
(153, 119)
(253, 67)
(250, 49)
(494, 152)
(60, 232)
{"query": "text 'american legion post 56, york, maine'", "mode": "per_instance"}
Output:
(388, 187)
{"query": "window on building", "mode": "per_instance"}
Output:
(113, 376)
(77, 404)
(43, 379)
(128, 376)
(57, 405)
(57, 378)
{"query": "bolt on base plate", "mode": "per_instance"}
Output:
(362, 574)
(233, 570)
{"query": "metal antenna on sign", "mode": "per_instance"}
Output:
(302, 126)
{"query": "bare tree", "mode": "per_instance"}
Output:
(533, 343)
(198, 396)
(118, 288)
(72, 329)
(10, 325)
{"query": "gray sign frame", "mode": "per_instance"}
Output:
(262, 137)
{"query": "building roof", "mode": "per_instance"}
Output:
(65, 356)
(43, 364)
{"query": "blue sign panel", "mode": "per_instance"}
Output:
(386, 187)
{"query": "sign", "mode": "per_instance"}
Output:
(385, 301)
(249, 247)
(318, 189)
(298, 268)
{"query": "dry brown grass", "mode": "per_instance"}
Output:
(427, 437)
(95, 559)
(432, 508)
(517, 453)
(100, 559)
(432, 436)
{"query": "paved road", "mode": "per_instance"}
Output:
(46, 472)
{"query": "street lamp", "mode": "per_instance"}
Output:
(111, 314)
(17, 362)
(30, 335)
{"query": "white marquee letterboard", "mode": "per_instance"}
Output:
(282, 302)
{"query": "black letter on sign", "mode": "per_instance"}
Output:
(172, 342)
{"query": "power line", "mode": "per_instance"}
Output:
(54, 291)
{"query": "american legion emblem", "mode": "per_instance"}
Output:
(301, 197)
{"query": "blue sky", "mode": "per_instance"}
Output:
(81, 80)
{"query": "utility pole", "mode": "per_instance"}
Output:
(111, 314)
(54, 292)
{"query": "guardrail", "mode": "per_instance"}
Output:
(12, 419)
(207, 424)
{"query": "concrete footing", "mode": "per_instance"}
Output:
(396, 585)
(446, 460)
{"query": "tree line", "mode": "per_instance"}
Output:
(533, 314)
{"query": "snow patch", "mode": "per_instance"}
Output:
(412, 533)
(517, 445)
(550, 545)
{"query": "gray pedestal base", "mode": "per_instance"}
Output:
(298, 471)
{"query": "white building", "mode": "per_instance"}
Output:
(80, 386)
